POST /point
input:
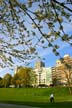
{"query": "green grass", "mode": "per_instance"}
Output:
(37, 97)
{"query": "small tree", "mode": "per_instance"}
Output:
(1, 82)
(14, 80)
(7, 80)
(55, 82)
(68, 74)
(24, 77)
(67, 69)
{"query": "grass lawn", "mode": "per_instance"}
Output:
(38, 97)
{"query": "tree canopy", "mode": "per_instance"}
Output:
(26, 25)
(24, 77)
(7, 80)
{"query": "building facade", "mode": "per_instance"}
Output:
(62, 72)
(44, 74)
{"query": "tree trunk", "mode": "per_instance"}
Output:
(70, 91)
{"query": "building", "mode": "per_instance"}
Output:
(17, 69)
(62, 72)
(39, 64)
(44, 75)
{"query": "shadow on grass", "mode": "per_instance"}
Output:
(42, 104)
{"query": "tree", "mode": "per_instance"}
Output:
(1, 82)
(15, 80)
(55, 82)
(69, 77)
(67, 67)
(26, 77)
(63, 73)
(21, 21)
(7, 80)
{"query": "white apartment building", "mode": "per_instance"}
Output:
(44, 74)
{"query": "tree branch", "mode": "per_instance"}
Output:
(61, 4)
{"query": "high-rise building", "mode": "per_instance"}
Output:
(61, 73)
(63, 70)
(39, 64)
(17, 69)
(44, 74)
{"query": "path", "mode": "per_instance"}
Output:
(14, 106)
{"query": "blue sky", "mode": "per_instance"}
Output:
(50, 58)
(49, 62)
